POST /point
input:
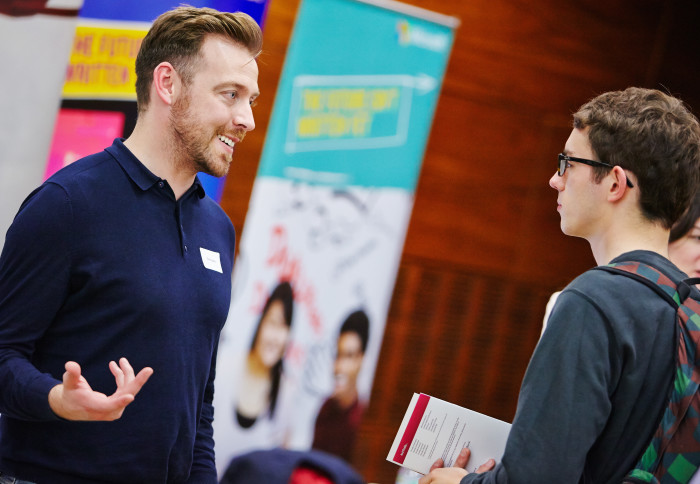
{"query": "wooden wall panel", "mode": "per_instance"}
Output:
(484, 250)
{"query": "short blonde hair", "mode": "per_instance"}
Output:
(177, 35)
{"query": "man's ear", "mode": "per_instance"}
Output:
(618, 185)
(166, 82)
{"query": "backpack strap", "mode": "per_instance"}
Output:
(650, 277)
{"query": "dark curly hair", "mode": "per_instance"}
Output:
(357, 322)
(654, 136)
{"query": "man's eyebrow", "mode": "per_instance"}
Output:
(235, 85)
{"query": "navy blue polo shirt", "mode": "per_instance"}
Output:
(102, 262)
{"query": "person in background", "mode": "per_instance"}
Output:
(340, 416)
(120, 260)
(254, 400)
(684, 240)
(598, 380)
(259, 384)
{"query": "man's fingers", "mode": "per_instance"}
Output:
(126, 368)
(71, 378)
(486, 466)
(117, 372)
(141, 379)
(127, 382)
(463, 458)
(437, 464)
(72, 367)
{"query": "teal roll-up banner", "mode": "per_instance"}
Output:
(326, 224)
(357, 95)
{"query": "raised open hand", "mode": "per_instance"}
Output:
(74, 399)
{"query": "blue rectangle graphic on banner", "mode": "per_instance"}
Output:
(140, 11)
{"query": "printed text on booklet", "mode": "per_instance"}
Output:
(433, 428)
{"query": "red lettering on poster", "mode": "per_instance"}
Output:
(290, 269)
(82, 45)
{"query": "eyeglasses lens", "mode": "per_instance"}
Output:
(562, 166)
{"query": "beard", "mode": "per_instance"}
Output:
(193, 142)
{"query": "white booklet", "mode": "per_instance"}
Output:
(433, 428)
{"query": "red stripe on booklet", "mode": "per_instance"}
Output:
(411, 428)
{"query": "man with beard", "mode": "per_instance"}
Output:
(121, 259)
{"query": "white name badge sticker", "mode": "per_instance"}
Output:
(211, 260)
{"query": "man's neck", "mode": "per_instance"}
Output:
(643, 236)
(346, 398)
(156, 154)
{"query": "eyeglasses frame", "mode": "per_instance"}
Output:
(564, 159)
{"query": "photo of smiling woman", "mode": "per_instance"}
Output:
(260, 380)
(250, 413)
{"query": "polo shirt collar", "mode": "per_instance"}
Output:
(137, 171)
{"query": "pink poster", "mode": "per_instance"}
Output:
(79, 133)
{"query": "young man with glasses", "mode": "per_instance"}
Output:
(598, 380)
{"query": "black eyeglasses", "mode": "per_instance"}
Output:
(565, 159)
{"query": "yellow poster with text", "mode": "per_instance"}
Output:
(102, 62)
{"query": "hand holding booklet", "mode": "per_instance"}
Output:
(433, 428)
